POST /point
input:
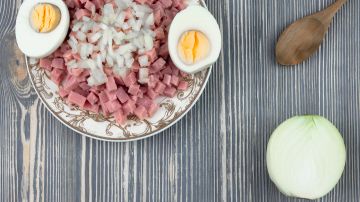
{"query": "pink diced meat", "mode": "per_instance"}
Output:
(76, 98)
(130, 79)
(160, 87)
(164, 50)
(103, 97)
(92, 108)
(152, 94)
(111, 95)
(160, 33)
(57, 75)
(81, 13)
(134, 89)
(183, 85)
(170, 91)
(158, 65)
(110, 84)
(144, 101)
(71, 83)
(120, 117)
(128, 107)
(113, 106)
(84, 86)
(140, 112)
(92, 98)
(122, 95)
(90, 6)
(152, 109)
(98, 3)
(166, 3)
(63, 93)
(167, 79)
(45, 63)
(175, 80)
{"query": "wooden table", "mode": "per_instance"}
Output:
(217, 151)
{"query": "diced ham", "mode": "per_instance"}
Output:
(92, 108)
(151, 93)
(152, 81)
(81, 13)
(158, 65)
(160, 34)
(122, 95)
(140, 112)
(167, 70)
(103, 97)
(76, 98)
(152, 109)
(166, 3)
(57, 75)
(134, 89)
(120, 117)
(128, 107)
(45, 63)
(92, 98)
(63, 93)
(183, 85)
(110, 84)
(71, 83)
(98, 3)
(160, 87)
(113, 106)
(170, 91)
(82, 92)
(130, 79)
(144, 101)
(164, 50)
(90, 6)
(111, 95)
(84, 86)
(167, 79)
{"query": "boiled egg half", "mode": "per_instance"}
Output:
(41, 26)
(194, 39)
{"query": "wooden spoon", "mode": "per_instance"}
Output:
(302, 38)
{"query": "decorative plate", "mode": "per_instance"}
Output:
(105, 128)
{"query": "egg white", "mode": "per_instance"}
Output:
(195, 18)
(35, 44)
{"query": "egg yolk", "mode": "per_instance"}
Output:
(193, 46)
(45, 17)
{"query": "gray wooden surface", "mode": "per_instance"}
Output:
(217, 152)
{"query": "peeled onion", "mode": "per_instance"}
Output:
(306, 157)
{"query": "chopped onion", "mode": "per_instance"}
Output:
(149, 43)
(143, 75)
(306, 157)
(112, 40)
(143, 60)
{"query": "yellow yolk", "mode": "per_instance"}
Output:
(193, 46)
(45, 17)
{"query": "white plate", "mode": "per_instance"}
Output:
(103, 128)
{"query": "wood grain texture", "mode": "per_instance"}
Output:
(217, 151)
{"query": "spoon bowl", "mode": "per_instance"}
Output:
(303, 37)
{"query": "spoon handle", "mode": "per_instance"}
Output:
(327, 14)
